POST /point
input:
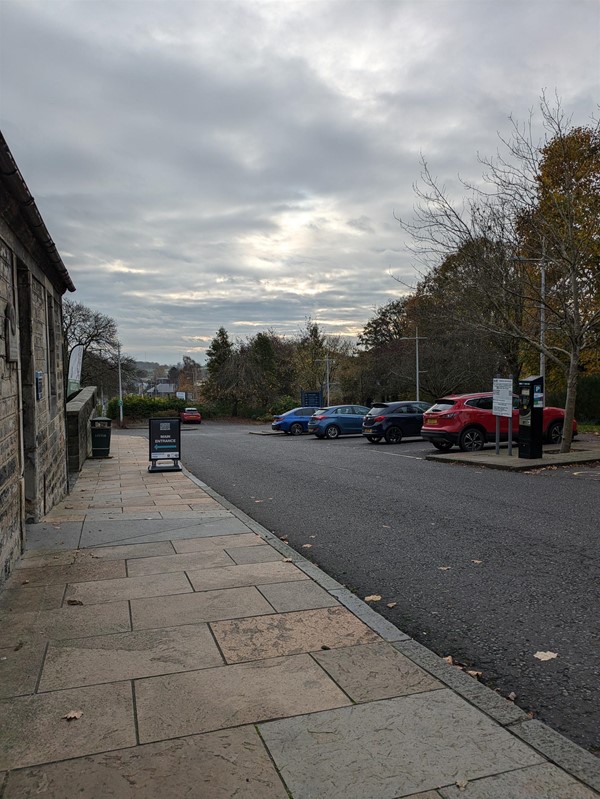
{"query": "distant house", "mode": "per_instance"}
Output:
(162, 389)
(33, 278)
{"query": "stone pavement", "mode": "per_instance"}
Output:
(155, 642)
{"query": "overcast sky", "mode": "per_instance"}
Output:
(239, 164)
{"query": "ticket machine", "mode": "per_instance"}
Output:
(531, 412)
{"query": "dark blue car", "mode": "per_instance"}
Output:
(337, 420)
(294, 422)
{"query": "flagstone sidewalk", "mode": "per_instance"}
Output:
(155, 642)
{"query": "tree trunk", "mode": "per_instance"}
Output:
(570, 401)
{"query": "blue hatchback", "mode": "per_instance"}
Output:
(294, 422)
(337, 420)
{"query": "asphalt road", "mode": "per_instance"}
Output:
(487, 566)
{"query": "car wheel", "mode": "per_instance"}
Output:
(393, 435)
(443, 446)
(296, 429)
(333, 431)
(471, 440)
(374, 439)
(555, 433)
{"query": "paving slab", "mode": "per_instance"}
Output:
(545, 781)
(100, 591)
(249, 574)
(254, 554)
(375, 671)
(176, 563)
(297, 595)
(392, 748)
(216, 765)
(53, 536)
(25, 598)
(289, 634)
(38, 558)
(171, 611)
(124, 656)
(126, 531)
(20, 668)
(67, 622)
(228, 696)
(217, 542)
(34, 731)
(75, 573)
(127, 551)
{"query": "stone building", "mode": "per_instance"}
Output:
(33, 278)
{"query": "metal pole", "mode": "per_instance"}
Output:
(417, 351)
(543, 324)
(120, 388)
(327, 373)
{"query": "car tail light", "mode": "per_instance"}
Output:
(318, 418)
(448, 415)
(379, 418)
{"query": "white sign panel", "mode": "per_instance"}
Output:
(75, 363)
(503, 397)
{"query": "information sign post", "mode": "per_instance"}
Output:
(503, 406)
(165, 444)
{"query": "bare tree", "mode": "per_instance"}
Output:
(96, 332)
(540, 206)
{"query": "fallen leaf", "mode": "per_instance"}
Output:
(74, 602)
(324, 646)
(287, 560)
(444, 568)
(3, 658)
(462, 784)
(477, 561)
(474, 673)
(449, 659)
(312, 536)
(531, 714)
(18, 646)
(306, 546)
(391, 604)
(283, 538)
(73, 714)
(512, 696)
(545, 655)
(258, 500)
(386, 525)
(372, 598)
(24, 582)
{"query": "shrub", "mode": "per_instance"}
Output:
(139, 407)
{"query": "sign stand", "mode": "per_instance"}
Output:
(503, 406)
(165, 444)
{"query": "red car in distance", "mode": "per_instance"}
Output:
(467, 420)
(190, 415)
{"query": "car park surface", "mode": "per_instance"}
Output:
(337, 420)
(467, 420)
(393, 421)
(293, 422)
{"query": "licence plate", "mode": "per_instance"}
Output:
(432, 421)
(367, 430)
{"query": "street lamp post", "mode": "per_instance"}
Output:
(416, 339)
(542, 262)
(328, 363)
(120, 386)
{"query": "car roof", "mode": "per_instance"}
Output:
(466, 396)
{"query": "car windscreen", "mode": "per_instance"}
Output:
(441, 405)
(191, 410)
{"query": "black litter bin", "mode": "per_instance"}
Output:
(100, 436)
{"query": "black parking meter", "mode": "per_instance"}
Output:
(531, 412)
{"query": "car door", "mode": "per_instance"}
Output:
(412, 420)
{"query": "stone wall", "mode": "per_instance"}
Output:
(11, 478)
(79, 440)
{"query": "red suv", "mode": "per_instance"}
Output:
(467, 420)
